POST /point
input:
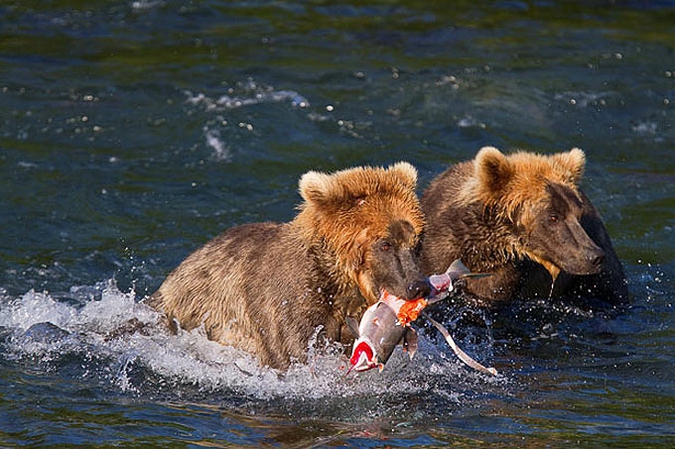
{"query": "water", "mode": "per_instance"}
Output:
(133, 132)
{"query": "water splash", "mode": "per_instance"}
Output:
(246, 94)
(107, 337)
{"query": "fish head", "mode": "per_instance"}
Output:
(364, 357)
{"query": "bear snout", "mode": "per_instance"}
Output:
(589, 261)
(596, 258)
(418, 288)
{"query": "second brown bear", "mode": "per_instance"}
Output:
(523, 218)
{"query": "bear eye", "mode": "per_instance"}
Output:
(553, 218)
(385, 246)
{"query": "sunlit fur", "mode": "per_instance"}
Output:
(352, 208)
(495, 213)
(267, 288)
(510, 183)
(514, 187)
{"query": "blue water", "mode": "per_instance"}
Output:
(132, 132)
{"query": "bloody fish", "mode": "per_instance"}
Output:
(379, 331)
(386, 323)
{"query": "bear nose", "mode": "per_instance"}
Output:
(418, 289)
(597, 258)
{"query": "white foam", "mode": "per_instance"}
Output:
(93, 328)
(214, 140)
(146, 4)
(246, 95)
(33, 308)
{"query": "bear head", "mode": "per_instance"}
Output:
(537, 196)
(368, 222)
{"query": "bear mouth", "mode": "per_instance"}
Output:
(553, 269)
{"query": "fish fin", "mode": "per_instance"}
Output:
(410, 341)
(457, 270)
(353, 326)
(476, 275)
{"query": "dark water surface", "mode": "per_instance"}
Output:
(132, 132)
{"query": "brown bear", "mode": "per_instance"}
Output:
(523, 218)
(267, 288)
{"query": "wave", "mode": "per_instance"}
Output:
(112, 338)
(246, 94)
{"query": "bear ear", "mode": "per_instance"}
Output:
(314, 186)
(572, 164)
(492, 170)
(406, 173)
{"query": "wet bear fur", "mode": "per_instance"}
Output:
(523, 218)
(266, 288)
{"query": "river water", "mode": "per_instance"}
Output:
(132, 132)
